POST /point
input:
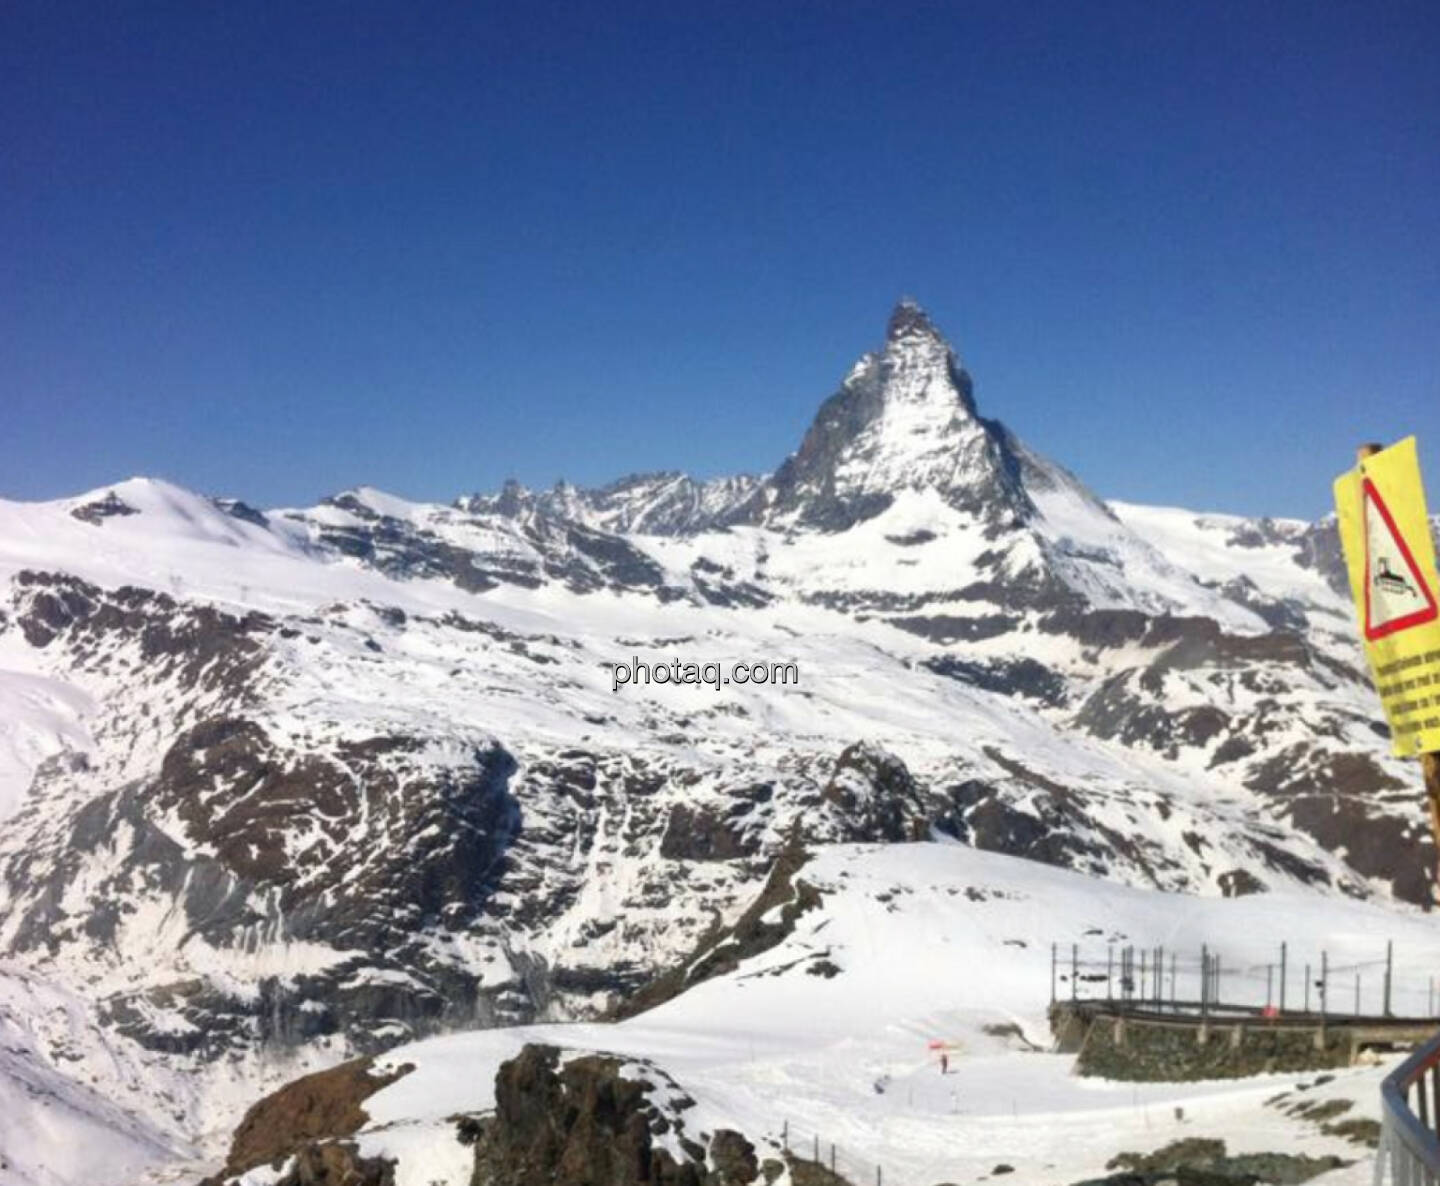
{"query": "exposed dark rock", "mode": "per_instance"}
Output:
(1336, 797)
(1018, 677)
(337, 1163)
(242, 511)
(1200, 1161)
(694, 834)
(753, 933)
(912, 539)
(876, 797)
(581, 1123)
(103, 508)
(734, 1160)
(949, 628)
(1236, 883)
(312, 1108)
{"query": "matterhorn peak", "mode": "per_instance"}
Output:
(904, 419)
(909, 320)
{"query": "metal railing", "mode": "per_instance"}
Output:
(1410, 1137)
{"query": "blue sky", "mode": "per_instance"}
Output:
(274, 250)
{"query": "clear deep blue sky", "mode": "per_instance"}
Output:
(277, 249)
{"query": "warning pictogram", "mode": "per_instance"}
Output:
(1396, 594)
(1390, 555)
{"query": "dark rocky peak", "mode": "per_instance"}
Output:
(904, 419)
(908, 319)
(100, 509)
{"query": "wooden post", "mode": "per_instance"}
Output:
(1109, 972)
(1074, 969)
(1054, 959)
(1430, 762)
(1430, 768)
(1283, 954)
(1324, 988)
(1389, 973)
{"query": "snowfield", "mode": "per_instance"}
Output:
(935, 942)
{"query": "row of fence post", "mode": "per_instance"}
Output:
(815, 1153)
(1140, 976)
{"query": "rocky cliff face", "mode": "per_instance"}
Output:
(596, 1121)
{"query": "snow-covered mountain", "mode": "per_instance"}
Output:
(280, 785)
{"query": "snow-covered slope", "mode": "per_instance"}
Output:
(78, 1104)
(281, 785)
(822, 1035)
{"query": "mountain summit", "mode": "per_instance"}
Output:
(904, 418)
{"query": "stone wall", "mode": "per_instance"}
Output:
(1172, 1052)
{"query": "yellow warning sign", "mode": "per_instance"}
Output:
(1385, 532)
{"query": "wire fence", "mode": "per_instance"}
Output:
(797, 1143)
(1310, 983)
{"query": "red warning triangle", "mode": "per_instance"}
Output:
(1397, 596)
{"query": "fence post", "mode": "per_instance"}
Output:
(1160, 975)
(1172, 978)
(1109, 972)
(1307, 988)
(1054, 959)
(1283, 954)
(1324, 989)
(1269, 976)
(1357, 995)
(1389, 971)
(1142, 975)
(1216, 962)
(1074, 969)
(832, 1160)
(785, 1136)
(816, 1158)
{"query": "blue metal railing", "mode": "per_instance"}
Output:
(1410, 1135)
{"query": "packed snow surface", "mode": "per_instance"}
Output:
(941, 943)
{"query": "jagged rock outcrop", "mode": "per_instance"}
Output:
(591, 1120)
(305, 1119)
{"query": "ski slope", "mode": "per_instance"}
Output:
(934, 942)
